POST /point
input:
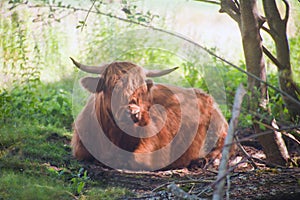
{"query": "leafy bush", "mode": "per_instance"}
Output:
(53, 107)
(23, 96)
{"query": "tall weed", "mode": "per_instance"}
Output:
(23, 57)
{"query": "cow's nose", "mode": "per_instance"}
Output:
(134, 109)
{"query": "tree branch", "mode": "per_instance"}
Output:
(232, 9)
(180, 37)
(238, 99)
(269, 31)
(273, 16)
(245, 153)
(209, 1)
(266, 30)
(272, 58)
(294, 127)
(237, 4)
(291, 137)
(287, 12)
(87, 15)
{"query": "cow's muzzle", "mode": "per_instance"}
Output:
(134, 111)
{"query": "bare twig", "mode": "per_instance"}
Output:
(179, 193)
(237, 3)
(238, 99)
(87, 15)
(245, 153)
(275, 128)
(228, 172)
(228, 188)
(295, 127)
(212, 185)
(209, 1)
(182, 182)
(291, 137)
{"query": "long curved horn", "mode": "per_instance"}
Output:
(89, 69)
(157, 73)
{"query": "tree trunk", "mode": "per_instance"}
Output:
(252, 45)
(250, 26)
(277, 30)
(250, 22)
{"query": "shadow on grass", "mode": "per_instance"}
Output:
(35, 155)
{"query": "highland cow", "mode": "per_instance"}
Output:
(138, 124)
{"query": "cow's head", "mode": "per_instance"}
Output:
(123, 83)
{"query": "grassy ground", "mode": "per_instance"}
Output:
(36, 163)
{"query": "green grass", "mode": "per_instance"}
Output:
(107, 193)
(36, 163)
(19, 185)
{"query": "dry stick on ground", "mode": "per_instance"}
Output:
(182, 182)
(179, 193)
(251, 160)
(212, 185)
(219, 191)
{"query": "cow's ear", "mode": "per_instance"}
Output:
(149, 83)
(92, 84)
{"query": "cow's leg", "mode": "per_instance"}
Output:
(216, 154)
(197, 163)
(79, 151)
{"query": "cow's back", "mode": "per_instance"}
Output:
(193, 117)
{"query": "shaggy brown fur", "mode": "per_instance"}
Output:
(180, 110)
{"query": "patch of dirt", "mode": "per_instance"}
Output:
(245, 181)
(257, 184)
(264, 183)
(55, 137)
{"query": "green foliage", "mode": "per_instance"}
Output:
(294, 42)
(295, 56)
(22, 103)
(79, 181)
(16, 69)
(23, 59)
(55, 108)
(134, 15)
(192, 74)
